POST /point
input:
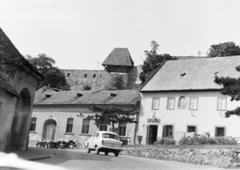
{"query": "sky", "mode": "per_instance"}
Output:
(80, 34)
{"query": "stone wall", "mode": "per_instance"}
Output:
(226, 158)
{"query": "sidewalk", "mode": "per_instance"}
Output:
(35, 154)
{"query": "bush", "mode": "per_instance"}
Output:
(165, 141)
(203, 140)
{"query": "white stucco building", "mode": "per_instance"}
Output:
(63, 115)
(182, 97)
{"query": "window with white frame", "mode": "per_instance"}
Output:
(193, 103)
(170, 103)
(222, 103)
(33, 124)
(219, 131)
(85, 126)
(69, 126)
(122, 129)
(155, 103)
(182, 102)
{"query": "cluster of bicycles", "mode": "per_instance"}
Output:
(58, 144)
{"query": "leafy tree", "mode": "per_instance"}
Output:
(224, 49)
(153, 61)
(117, 82)
(231, 87)
(113, 115)
(53, 77)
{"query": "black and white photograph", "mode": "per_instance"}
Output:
(119, 84)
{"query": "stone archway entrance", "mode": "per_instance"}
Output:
(19, 130)
(49, 130)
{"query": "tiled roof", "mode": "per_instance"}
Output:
(119, 57)
(116, 97)
(192, 74)
(8, 50)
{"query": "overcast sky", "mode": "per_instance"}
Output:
(79, 34)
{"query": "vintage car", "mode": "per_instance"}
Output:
(104, 141)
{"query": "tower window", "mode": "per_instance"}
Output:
(94, 75)
(85, 75)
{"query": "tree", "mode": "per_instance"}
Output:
(231, 87)
(153, 61)
(117, 82)
(53, 77)
(224, 49)
(113, 115)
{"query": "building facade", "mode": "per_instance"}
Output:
(182, 98)
(64, 115)
(18, 81)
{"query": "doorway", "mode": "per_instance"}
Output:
(19, 129)
(152, 134)
(49, 130)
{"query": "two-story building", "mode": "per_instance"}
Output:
(182, 97)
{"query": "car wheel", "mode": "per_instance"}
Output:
(116, 154)
(89, 150)
(106, 153)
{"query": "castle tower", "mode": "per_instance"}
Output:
(119, 60)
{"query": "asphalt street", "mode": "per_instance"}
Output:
(79, 160)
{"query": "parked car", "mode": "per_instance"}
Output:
(104, 141)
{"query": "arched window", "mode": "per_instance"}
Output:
(182, 102)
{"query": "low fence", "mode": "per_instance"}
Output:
(226, 158)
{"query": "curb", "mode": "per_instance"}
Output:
(39, 158)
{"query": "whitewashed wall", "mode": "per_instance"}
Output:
(60, 115)
(206, 118)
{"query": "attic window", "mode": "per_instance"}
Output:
(48, 95)
(85, 76)
(79, 95)
(94, 75)
(113, 94)
(183, 74)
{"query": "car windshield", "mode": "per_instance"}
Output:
(109, 135)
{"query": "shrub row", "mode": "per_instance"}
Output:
(165, 141)
(203, 140)
(198, 140)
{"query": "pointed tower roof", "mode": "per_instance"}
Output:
(119, 57)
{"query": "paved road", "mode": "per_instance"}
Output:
(83, 161)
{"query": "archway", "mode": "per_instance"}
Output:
(19, 131)
(49, 130)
